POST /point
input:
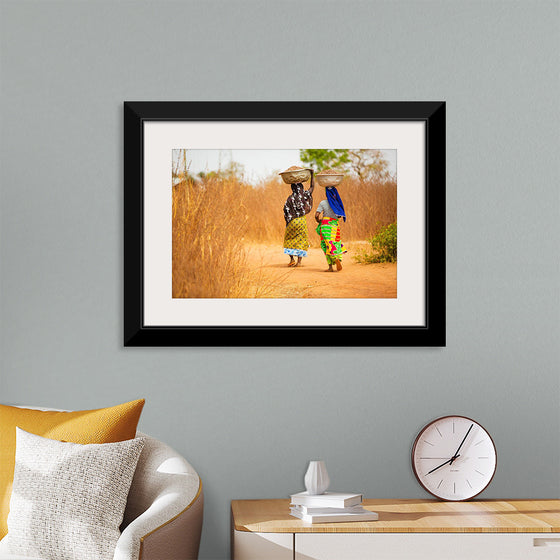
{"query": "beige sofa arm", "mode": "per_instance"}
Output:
(178, 538)
(163, 517)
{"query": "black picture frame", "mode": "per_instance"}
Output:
(136, 333)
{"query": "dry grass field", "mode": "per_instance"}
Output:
(217, 220)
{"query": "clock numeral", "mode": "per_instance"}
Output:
(440, 483)
(468, 482)
(429, 443)
(479, 442)
(479, 472)
(438, 432)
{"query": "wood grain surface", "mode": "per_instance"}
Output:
(409, 516)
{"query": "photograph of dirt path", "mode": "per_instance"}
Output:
(229, 225)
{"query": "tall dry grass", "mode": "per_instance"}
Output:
(208, 258)
(368, 208)
(214, 220)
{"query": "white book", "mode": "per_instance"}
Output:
(312, 510)
(328, 499)
(364, 515)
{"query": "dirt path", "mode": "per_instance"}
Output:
(274, 279)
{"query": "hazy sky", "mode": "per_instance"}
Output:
(258, 164)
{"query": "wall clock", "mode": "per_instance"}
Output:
(454, 458)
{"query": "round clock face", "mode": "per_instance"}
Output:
(454, 458)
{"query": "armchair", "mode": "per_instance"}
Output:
(163, 516)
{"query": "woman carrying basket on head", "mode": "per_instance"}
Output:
(298, 204)
(328, 227)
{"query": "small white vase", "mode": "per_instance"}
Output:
(316, 478)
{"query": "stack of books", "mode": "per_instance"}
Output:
(330, 507)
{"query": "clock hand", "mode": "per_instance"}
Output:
(439, 467)
(461, 445)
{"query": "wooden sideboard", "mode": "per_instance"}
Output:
(406, 529)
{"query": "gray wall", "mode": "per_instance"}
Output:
(249, 419)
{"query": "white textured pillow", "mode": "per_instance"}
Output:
(68, 499)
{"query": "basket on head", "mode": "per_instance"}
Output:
(329, 178)
(295, 174)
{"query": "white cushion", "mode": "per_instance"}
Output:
(68, 499)
(4, 555)
(15, 557)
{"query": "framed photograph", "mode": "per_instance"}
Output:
(284, 223)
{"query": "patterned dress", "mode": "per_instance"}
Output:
(296, 238)
(329, 231)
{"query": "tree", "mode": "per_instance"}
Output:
(367, 165)
(234, 169)
(323, 159)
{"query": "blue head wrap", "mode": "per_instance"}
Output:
(335, 202)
